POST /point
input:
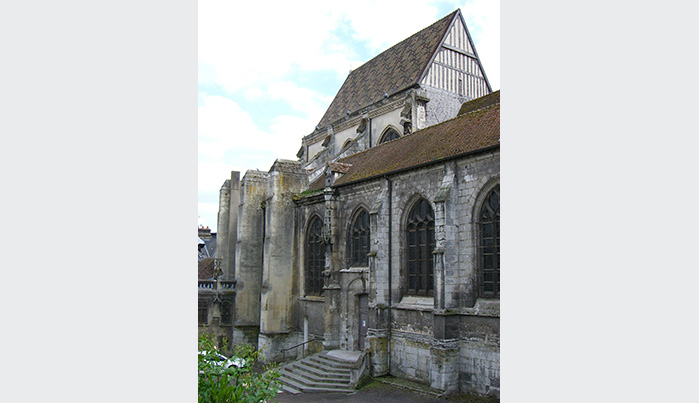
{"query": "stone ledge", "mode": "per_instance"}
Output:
(425, 304)
(312, 299)
(355, 270)
(483, 307)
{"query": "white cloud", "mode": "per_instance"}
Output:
(224, 127)
(389, 22)
(229, 140)
(252, 49)
(254, 43)
(483, 21)
(309, 102)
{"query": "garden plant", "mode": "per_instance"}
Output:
(237, 375)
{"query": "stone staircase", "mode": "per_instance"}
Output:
(329, 371)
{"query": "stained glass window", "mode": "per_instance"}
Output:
(421, 243)
(489, 245)
(360, 240)
(315, 257)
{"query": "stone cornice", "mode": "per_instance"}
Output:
(376, 109)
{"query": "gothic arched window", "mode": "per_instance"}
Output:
(421, 243)
(489, 246)
(390, 134)
(315, 257)
(359, 247)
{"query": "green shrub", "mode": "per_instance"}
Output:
(234, 377)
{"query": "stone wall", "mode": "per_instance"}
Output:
(224, 204)
(428, 337)
(278, 290)
(448, 340)
(479, 367)
(222, 332)
(410, 356)
(475, 176)
(229, 260)
(442, 106)
(248, 257)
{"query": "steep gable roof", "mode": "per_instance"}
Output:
(465, 134)
(397, 68)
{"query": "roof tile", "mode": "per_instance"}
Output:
(394, 70)
(465, 133)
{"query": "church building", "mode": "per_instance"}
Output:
(382, 239)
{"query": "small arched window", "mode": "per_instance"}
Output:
(390, 134)
(421, 244)
(203, 312)
(315, 257)
(359, 247)
(489, 246)
(227, 312)
(346, 145)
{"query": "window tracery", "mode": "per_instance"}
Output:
(359, 246)
(315, 258)
(489, 245)
(421, 244)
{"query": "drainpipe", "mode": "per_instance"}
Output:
(263, 205)
(390, 286)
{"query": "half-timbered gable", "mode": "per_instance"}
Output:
(456, 67)
(419, 82)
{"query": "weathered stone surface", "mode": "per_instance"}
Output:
(446, 338)
(279, 291)
(248, 257)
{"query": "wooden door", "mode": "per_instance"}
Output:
(363, 317)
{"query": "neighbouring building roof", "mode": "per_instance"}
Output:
(397, 68)
(466, 133)
(206, 268)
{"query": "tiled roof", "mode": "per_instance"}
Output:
(479, 103)
(339, 167)
(464, 134)
(394, 70)
(318, 184)
(206, 268)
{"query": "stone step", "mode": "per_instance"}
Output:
(333, 361)
(319, 373)
(342, 357)
(316, 375)
(303, 387)
(326, 366)
(299, 382)
(291, 383)
(312, 389)
(288, 389)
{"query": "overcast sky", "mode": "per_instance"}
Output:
(268, 71)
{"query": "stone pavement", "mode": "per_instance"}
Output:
(378, 392)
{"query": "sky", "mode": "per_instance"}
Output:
(267, 71)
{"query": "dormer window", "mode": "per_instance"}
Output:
(390, 134)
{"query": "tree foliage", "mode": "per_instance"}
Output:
(234, 377)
